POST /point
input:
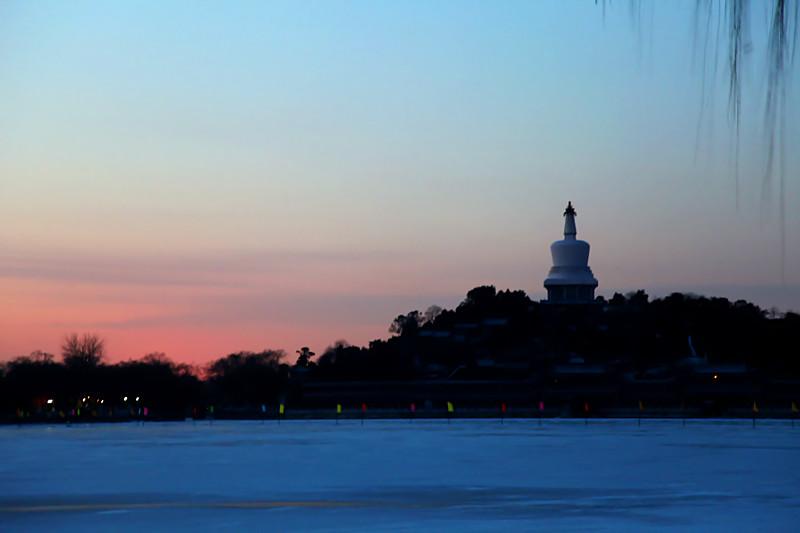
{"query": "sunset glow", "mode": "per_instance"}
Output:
(209, 178)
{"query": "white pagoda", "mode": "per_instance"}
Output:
(570, 279)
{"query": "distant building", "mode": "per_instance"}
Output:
(570, 279)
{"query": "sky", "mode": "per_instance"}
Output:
(204, 178)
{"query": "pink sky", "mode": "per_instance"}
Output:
(272, 175)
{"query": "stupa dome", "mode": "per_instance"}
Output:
(570, 279)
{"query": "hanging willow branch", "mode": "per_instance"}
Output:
(781, 47)
(783, 17)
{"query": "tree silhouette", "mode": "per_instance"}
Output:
(162, 384)
(246, 378)
(407, 324)
(85, 350)
(431, 314)
(41, 357)
(305, 355)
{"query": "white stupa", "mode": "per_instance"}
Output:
(570, 280)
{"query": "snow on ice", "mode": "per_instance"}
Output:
(470, 475)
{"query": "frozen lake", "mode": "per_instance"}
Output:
(471, 475)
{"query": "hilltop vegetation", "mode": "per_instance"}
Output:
(606, 350)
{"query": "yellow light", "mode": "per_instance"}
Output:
(715, 376)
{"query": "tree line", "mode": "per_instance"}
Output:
(491, 336)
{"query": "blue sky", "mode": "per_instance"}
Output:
(209, 177)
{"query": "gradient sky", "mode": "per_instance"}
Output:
(208, 177)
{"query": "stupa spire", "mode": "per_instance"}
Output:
(570, 231)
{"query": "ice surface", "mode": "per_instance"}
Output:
(470, 475)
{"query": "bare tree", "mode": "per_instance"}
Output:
(157, 359)
(87, 349)
(39, 356)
